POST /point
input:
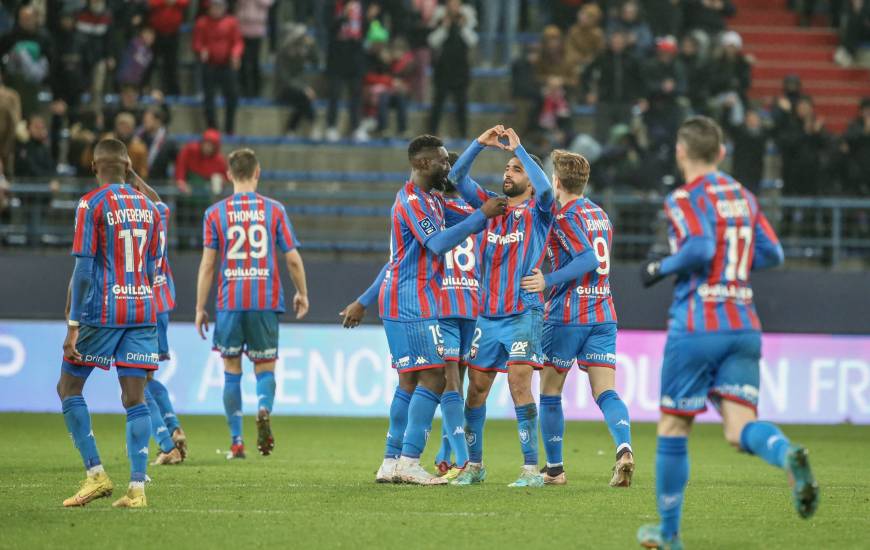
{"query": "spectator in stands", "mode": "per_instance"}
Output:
(451, 41)
(345, 62)
(555, 114)
(253, 16)
(664, 16)
(612, 84)
(166, 18)
(217, 43)
(623, 161)
(637, 34)
(500, 23)
(562, 12)
(200, 163)
(707, 17)
(585, 39)
(128, 102)
(162, 150)
(856, 149)
(297, 50)
(697, 74)
(418, 27)
(401, 70)
(68, 80)
(803, 144)
(26, 51)
(749, 146)
(377, 80)
(731, 76)
(128, 18)
(136, 61)
(783, 106)
(125, 131)
(855, 32)
(33, 155)
(555, 61)
(665, 86)
(93, 24)
(525, 90)
(10, 115)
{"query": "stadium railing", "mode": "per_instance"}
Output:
(334, 212)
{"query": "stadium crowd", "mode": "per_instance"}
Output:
(642, 66)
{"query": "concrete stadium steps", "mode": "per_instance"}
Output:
(787, 52)
(797, 36)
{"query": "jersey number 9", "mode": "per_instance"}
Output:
(602, 254)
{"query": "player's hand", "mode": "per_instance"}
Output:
(353, 314)
(203, 56)
(494, 207)
(300, 305)
(235, 63)
(490, 138)
(651, 273)
(70, 353)
(201, 323)
(183, 187)
(534, 282)
(513, 140)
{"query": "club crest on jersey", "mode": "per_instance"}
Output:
(439, 349)
(426, 225)
(472, 353)
(518, 213)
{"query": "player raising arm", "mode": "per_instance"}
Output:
(718, 236)
(112, 317)
(244, 234)
(579, 317)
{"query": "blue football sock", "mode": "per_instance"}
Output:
(552, 427)
(444, 451)
(265, 390)
(672, 474)
(452, 410)
(161, 396)
(527, 427)
(138, 434)
(233, 405)
(616, 415)
(78, 423)
(158, 429)
(474, 421)
(765, 440)
(398, 423)
(421, 410)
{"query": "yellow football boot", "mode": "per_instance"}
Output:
(452, 473)
(93, 487)
(135, 498)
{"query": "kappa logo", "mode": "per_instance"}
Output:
(670, 501)
(459, 431)
(623, 422)
(143, 451)
(555, 439)
(519, 348)
(420, 361)
(84, 204)
(524, 436)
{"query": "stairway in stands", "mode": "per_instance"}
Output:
(771, 33)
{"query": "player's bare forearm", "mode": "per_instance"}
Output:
(68, 299)
(143, 187)
(297, 271)
(205, 277)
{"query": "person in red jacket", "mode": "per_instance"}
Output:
(166, 17)
(217, 42)
(199, 163)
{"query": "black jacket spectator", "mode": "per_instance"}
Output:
(707, 15)
(749, 143)
(804, 145)
(33, 157)
(162, 149)
(613, 83)
(857, 154)
(697, 74)
(345, 60)
(730, 74)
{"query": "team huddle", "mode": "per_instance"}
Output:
(463, 294)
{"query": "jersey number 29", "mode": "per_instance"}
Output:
(256, 235)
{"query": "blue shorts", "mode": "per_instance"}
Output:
(415, 345)
(253, 332)
(500, 342)
(723, 365)
(458, 335)
(589, 345)
(162, 338)
(133, 351)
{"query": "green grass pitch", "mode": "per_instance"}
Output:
(317, 491)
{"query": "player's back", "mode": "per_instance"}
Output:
(581, 224)
(511, 247)
(118, 227)
(164, 283)
(460, 286)
(411, 291)
(718, 296)
(248, 230)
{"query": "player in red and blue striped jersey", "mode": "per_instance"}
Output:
(165, 427)
(510, 323)
(718, 236)
(112, 317)
(579, 318)
(410, 306)
(245, 234)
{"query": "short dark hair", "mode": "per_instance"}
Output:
(110, 147)
(243, 163)
(571, 169)
(535, 158)
(452, 157)
(422, 143)
(702, 138)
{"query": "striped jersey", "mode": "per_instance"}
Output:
(581, 225)
(248, 230)
(511, 246)
(717, 297)
(411, 290)
(118, 227)
(164, 284)
(460, 286)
